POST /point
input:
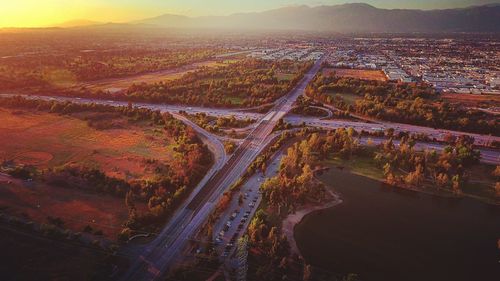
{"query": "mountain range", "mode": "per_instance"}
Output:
(344, 18)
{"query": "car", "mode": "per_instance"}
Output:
(240, 226)
(243, 220)
(251, 204)
(228, 224)
(226, 228)
(221, 233)
(218, 240)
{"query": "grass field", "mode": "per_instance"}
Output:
(349, 99)
(119, 84)
(357, 73)
(359, 165)
(284, 76)
(48, 140)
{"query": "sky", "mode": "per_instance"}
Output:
(41, 13)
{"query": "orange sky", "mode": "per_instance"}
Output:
(40, 13)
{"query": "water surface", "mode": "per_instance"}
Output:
(390, 234)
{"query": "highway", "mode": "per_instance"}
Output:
(366, 124)
(216, 112)
(161, 255)
(438, 134)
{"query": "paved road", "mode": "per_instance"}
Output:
(438, 134)
(216, 112)
(488, 156)
(236, 213)
(158, 258)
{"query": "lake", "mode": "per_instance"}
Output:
(390, 234)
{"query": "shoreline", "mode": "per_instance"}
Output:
(291, 220)
(288, 224)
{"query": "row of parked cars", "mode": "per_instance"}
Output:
(231, 222)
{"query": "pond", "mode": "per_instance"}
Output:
(390, 234)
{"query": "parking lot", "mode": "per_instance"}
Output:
(234, 222)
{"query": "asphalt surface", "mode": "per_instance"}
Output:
(162, 254)
(438, 134)
(216, 112)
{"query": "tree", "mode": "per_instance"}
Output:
(496, 172)
(442, 180)
(456, 183)
(415, 178)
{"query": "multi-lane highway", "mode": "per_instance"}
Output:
(159, 257)
(438, 134)
(216, 112)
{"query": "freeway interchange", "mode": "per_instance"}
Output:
(156, 258)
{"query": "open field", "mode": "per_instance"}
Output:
(356, 73)
(118, 84)
(472, 100)
(48, 140)
(76, 208)
(349, 99)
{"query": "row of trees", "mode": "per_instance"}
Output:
(447, 170)
(70, 66)
(250, 82)
(271, 250)
(216, 124)
(409, 103)
(295, 184)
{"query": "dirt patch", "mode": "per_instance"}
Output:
(473, 100)
(289, 223)
(356, 73)
(33, 157)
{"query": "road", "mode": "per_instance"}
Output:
(159, 255)
(370, 126)
(438, 134)
(157, 259)
(216, 112)
(236, 213)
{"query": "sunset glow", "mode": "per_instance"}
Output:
(35, 13)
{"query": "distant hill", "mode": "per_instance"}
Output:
(77, 23)
(346, 18)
